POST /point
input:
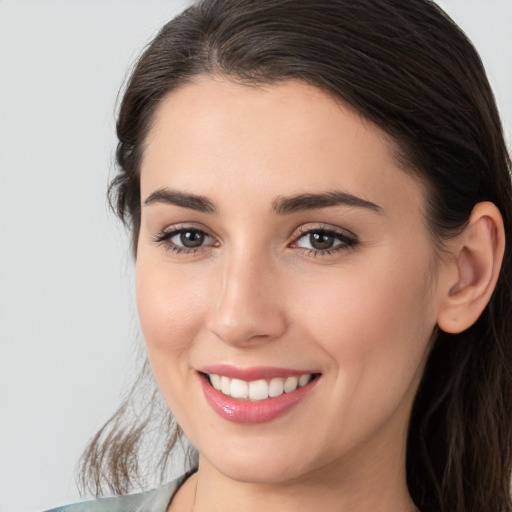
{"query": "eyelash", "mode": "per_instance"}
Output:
(347, 240)
(164, 238)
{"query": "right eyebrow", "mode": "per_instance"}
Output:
(183, 199)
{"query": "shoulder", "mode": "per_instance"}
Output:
(157, 500)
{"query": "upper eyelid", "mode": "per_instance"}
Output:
(185, 225)
(302, 230)
(176, 228)
(297, 233)
(171, 232)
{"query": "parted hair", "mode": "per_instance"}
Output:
(405, 66)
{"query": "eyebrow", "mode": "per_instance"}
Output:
(304, 202)
(191, 201)
(280, 206)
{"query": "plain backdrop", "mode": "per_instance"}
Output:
(68, 326)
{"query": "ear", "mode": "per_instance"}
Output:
(477, 254)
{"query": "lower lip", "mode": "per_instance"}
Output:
(245, 411)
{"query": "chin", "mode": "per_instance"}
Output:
(260, 464)
(260, 472)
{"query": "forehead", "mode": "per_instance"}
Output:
(214, 136)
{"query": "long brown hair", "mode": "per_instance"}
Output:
(406, 66)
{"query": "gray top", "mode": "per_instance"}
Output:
(157, 500)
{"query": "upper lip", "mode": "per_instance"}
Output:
(252, 373)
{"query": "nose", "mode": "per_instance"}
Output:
(247, 309)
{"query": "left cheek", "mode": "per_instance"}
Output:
(372, 322)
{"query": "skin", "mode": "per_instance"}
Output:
(255, 295)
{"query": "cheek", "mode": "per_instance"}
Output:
(168, 305)
(169, 313)
(374, 322)
(375, 328)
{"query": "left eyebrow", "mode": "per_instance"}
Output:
(304, 202)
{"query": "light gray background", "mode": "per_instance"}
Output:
(68, 329)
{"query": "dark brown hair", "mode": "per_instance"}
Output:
(404, 65)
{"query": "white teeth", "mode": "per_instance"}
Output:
(258, 389)
(304, 379)
(216, 381)
(276, 387)
(290, 384)
(225, 385)
(239, 389)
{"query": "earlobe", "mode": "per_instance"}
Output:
(477, 255)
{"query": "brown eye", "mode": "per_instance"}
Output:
(192, 238)
(321, 241)
(325, 241)
(184, 240)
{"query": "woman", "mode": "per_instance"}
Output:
(318, 195)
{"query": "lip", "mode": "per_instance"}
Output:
(246, 412)
(253, 373)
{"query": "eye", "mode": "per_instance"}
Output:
(318, 240)
(184, 239)
(324, 241)
(190, 238)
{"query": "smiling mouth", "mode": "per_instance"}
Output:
(257, 390)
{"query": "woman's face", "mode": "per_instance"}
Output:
(280, 239)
